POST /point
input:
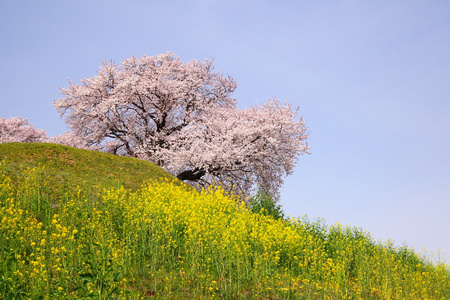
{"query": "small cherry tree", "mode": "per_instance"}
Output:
(72, 140)
(181, 116)
(19, 130)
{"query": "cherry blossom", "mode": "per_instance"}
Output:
(181, 116)
(19, 130)
(72, 140)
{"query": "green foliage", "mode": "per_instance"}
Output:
(265, 205)
(101, 273)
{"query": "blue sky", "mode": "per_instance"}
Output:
(371, 79)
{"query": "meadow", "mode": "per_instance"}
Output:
(78, 224)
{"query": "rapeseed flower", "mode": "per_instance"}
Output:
(165, 238)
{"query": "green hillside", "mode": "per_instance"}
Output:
(78, 224)
(65, 168)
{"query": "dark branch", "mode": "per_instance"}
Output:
(191, 175)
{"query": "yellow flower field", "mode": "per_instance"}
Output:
(168, 241)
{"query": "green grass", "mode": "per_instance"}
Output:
(75, 226)
(67, 169)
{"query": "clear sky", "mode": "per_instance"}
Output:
(371, 78)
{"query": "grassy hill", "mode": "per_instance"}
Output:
(78, 224)
(65, 169)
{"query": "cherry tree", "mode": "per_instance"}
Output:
(19, 130)
(72, 140)
(181, 116)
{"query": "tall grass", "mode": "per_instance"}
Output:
(170, 242)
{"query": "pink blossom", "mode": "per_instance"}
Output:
(181, 116)
(72, 140)
(19, 130)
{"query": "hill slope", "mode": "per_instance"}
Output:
(65, 168)
(108, 237)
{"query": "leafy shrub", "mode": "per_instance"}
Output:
(265, 205)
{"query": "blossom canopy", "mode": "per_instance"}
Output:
(181, 116)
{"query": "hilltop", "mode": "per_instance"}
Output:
(65, 169)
